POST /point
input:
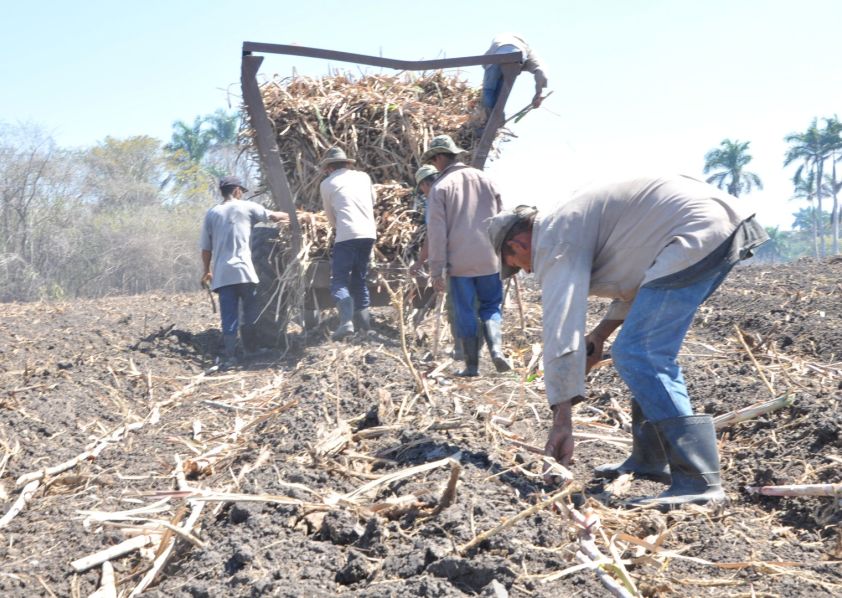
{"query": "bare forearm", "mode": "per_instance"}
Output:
(605, 328)
(206, 261)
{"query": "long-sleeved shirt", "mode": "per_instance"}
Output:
(226, 232)
(608, 241)
(531, 62)
(348, 200)
(460, 201)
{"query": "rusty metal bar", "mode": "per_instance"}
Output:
(406, 65)
(267, 147)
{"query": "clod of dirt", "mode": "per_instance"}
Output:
(356, 568)
(470, 575)
(340, 527)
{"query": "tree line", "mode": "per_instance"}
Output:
(119, 217)
(123, 216)
(815, 152)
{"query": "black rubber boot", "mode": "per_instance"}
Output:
(362, 320)
(458, 349)
(346, 315)
(647, 460)
(690, 445)
(494, 340)
(229, 351)
(471, 346)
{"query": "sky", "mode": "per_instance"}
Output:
(639, 86)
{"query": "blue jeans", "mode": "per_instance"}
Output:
(467, 292)
(647, 345)
(230, 297)
(492, 80)
(348, 270)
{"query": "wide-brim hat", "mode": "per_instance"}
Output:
(441, 144)
(425, 171)
(333, 155)
(498, 229)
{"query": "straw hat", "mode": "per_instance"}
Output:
(333, 155)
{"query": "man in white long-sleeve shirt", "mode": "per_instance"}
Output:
(658, 247)
(348, 200)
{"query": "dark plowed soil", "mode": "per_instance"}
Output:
(304, 439)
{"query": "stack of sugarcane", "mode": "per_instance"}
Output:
(384, 122)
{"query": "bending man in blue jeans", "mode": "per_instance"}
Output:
(658, 247)
(492, 81)
(459, 202)
(348, 199)
(225, 244)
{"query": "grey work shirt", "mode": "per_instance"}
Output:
(609, 240)
(460, 201)
(226, 232)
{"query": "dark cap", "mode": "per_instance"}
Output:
(231, 181)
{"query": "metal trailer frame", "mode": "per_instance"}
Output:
(267, 147)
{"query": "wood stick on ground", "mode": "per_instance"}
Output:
(741, 415)
(512, 520)
(91, 453)
(440, 299)
(753, 360)
(449, 494)
(400, 475)
(611, 584)
(105, 555)
(21, 502)
(107, 586)
(798, 490)
(397, 303)
(519, 304)
(165, 551)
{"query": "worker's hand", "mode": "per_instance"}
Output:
(439, 284)
(560, 440)
(279, 217)
(536, 101)
(595, 345)
(207, 277)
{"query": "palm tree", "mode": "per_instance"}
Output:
(193, 141)
(833, 138)
(806, 219)
(729, 161)
(813, 148)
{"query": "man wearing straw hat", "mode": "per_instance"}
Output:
(659, 247)
(225, 244)
(459, 202)
(348, 199)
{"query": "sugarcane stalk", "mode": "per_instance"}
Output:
(741, 415)
(797, 490)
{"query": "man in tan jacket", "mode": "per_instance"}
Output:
(459, 202)
(659, 247)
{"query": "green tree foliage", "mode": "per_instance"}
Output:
(93, 222)
(728, 163)
(813, 148)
